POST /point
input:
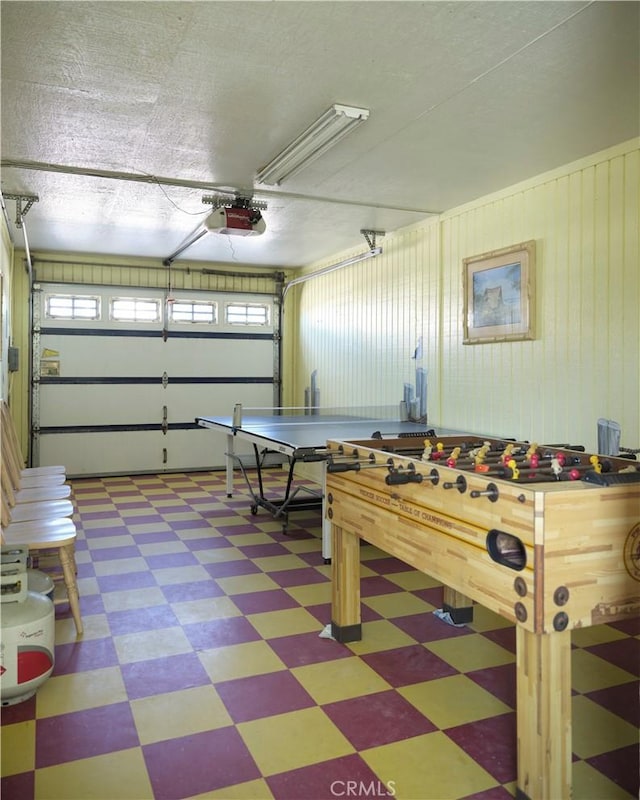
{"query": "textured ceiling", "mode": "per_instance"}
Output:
(121, 116)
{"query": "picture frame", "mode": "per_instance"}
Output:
(499, 295)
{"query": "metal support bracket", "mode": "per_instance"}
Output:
(28, 199)
(370, 236)
(234, 201)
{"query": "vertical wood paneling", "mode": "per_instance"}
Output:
(585, 360)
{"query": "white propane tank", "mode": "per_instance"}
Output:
(27, 633)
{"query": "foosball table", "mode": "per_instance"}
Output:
(548, 537)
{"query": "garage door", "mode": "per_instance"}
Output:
(120, 374)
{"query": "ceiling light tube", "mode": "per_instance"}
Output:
(326, 131)
(375, 251)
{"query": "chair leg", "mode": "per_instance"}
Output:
(67, 560)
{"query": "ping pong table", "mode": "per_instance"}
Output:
(300, 436)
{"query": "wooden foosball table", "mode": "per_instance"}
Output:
(545, 536)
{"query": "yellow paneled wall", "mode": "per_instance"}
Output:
(359, 326)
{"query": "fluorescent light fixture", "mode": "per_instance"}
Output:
(326, 131)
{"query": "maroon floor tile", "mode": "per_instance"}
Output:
(231, 569)
(307, 648)
(188, 524)
(623, 700)
(499, 681)
(162, 675)
(301, 576)
(624, 653)
(91, 604)
(18, 787)
(208, 543)
(264, 550)
(220, 632)
(387, 566)
(111, 530)
(263, 696)
(337, 779)
(127, 501)
(83, 734)
(505, 637)
(20, 712)
(114, 553)
(234, 530)
(433, 595)
(85, 654)
(129, 580)
(143, 519)
(270, 600)
(378, 719)
(135, 620)
(200, 763)
(314, 559)
(169, 560)
(406, 665)
(197, 590)
(426, 627)
(322, 612)
(491, 743)
(620, 766)
(628, 626)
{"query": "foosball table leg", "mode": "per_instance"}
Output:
(345, 573)
(543, 715)
(459, 606)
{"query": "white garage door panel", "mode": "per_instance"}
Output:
(96, 404)
(103, 453)
(205, 452)
(185, 403)
(228, 357)
(97, 356)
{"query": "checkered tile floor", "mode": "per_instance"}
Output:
(202, 674)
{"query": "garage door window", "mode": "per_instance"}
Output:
(135, 309)
(193, 311)
(247, 314)
(72, 306)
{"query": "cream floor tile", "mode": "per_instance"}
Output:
(87, 586)
(428, 767)
(596, 634)
(133, 598)
(398, 604)
(278, 563)
(96, 626)
(413, 580)
(453, 701)
(242, 584)
(293, 740)
(146, 645)
(176, 714)
(590, 672)
(596, 730)
(121, 775)
(247, 539)
(301, 545)
(240, 661)
(202, 610)
(380, 635)
(341, 679)
(219, 555)
(468, 653)
(80, 690)
(251, 790)
(120, 566)
(148, 527)
(92, 524)
(486, 620)
(187, 534)
(589, 784)
(18, 753)
(312, 594)
(173, 575)
(161, 548)
(287, 622)
(104, 542)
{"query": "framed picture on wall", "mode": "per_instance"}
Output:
(499, 295)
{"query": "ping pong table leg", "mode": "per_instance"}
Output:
(230, 460)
